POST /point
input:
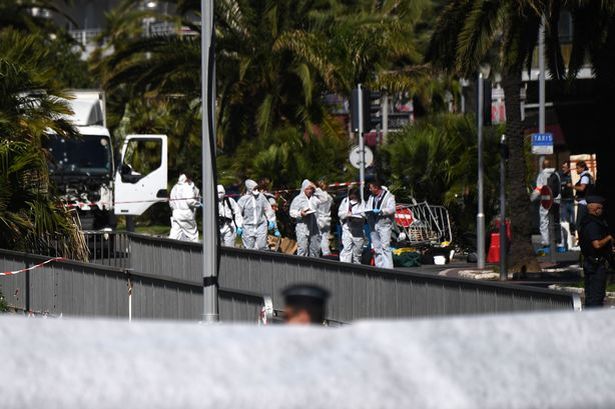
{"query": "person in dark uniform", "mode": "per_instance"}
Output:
(305, 304)
(597, 250)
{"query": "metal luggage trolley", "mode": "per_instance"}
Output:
(424, 223)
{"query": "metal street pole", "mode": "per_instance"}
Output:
(385, 117)
(480, 217)
(541, 78)
(503, 236)
(210, 236)
(361, 144)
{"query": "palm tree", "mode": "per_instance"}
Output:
(368, 42)
(257, 90)
(18, 15)
(30, 106)
(471, 32)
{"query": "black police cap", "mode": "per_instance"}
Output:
(595, 199)
(310, 291)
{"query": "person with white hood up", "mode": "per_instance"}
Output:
(184, 200)
(549, 177)
(230, 221)
(380, 211)
(352, 219)
(258, 217)
(303, 209)
(323, 217)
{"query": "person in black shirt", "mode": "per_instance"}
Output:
(596, 247)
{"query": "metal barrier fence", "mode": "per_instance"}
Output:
(357, 291)
(108, 248)
(86, 289)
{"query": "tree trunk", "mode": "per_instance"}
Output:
(522, 256)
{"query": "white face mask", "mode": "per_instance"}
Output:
(220, 196)
(255, 192)
(353, 202)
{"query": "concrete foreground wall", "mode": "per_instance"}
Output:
(539, 360)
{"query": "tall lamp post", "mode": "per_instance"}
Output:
(480, 215)
(210, 208)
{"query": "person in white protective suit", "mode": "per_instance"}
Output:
(303, 209)
(352, 219)
(380, 213)
(258, 217)
(230, 221)
(184, 200)
(323, 217)
(543, 180)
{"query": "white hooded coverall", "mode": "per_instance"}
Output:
(323, 218)
(229, 218)
(183, 200)
(381, 225)
(353, 238)
(257, 213)
(307, 232)
(543, 180)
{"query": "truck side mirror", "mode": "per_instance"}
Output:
(125, 169)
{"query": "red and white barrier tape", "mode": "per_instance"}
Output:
(276, 192)
(10, 273)
(162, 199)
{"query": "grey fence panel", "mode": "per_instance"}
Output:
(163, 298)
(82, 289)
(358, 291)
(63, 287)
(14, 288)
(239, 305)
(165, 257)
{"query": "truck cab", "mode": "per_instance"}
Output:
(83, 168)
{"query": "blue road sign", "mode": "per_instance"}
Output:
(542, 143)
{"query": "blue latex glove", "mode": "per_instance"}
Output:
(239, 231)
(277, 233)
(271, 225)
(376, 211)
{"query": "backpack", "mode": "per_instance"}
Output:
(554, 184)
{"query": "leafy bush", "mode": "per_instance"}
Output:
(435, 160)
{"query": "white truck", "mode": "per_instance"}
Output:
(87, 176)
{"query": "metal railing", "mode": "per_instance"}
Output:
(108, 248)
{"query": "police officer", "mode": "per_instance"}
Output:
(305, 304)
(596, 247)
(583, 188)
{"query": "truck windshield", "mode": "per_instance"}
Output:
(89, 154)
